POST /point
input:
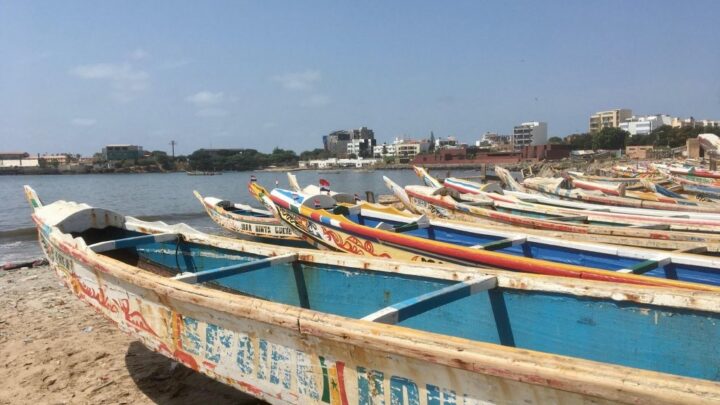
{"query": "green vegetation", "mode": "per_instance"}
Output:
(610, 138)
(240, 159)
(671, 137)
(615, 138)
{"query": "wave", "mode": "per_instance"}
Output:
(29, 233)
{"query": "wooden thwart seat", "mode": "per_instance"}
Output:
(132, 241)
(214, 274)
(645, 266)
(423, 303)
(580, 218)
(502, 243)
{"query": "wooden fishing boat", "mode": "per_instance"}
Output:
(518, 191)
(371, 230)
(293, 326)
(246, 220)
(704, 191)
(695, 172)
(604, 179)
(202, 173)
(510, 204)
(518, 212)
(528, 216)
(551, 187)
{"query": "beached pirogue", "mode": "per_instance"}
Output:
(300, 326)
(246, 220)
(376, 231)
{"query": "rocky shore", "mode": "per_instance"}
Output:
(56, 350)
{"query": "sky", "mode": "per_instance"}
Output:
(77, 75)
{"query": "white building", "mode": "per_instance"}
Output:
(644, 124)
(529, 134)
(333, 163)
(405, 148)
(385, 150)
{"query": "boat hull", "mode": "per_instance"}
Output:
(285, 354)
(263, 229)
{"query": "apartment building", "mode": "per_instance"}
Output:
(644, 124)
(608, 119)
(529, 134)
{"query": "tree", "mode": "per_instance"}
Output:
(555, 140)
(609, 138)
(579, 141)
(352, 156)
(318, 153)
(432, 142)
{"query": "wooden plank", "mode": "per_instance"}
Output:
(502, 243)
(582, 218)
(646, 265)
(133, 241)
(214, 274)
(651, 226)
(695, 250)
(423, 303)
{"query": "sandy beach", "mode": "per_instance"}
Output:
(56, 350)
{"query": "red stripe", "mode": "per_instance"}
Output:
(340, 366)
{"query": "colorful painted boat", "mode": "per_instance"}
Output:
(518, 191)
(515, 211)
(371, 230)
(552, 188)
(513, 205)
(246, 220)
(529, 216)
(294, 326)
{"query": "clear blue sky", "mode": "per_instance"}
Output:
(75, 76)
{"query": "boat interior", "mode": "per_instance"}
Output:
(529, 247)
(621, 332)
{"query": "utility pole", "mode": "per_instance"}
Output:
(172, 144)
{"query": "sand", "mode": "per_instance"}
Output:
(55, 349)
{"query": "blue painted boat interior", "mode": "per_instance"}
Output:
(247, 213)
(642, 336)
(558, 254)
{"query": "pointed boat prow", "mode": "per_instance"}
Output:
(32, 198)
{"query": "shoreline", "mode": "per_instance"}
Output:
(56, 349)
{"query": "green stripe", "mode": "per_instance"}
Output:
(326, 382)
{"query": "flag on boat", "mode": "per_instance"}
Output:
(324, 185)
(253, 179)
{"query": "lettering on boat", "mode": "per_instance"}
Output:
(319, 378)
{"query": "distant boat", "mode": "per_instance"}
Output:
(246, 220)
(202, 173)
(300, 326)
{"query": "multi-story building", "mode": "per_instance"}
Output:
(644, 124)
(447, 143)
(529, 134)
(384, 150)
(608, 119)
(344, 142)
(678, 122)
(494, 141)
(122, 152)
(403, 149)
